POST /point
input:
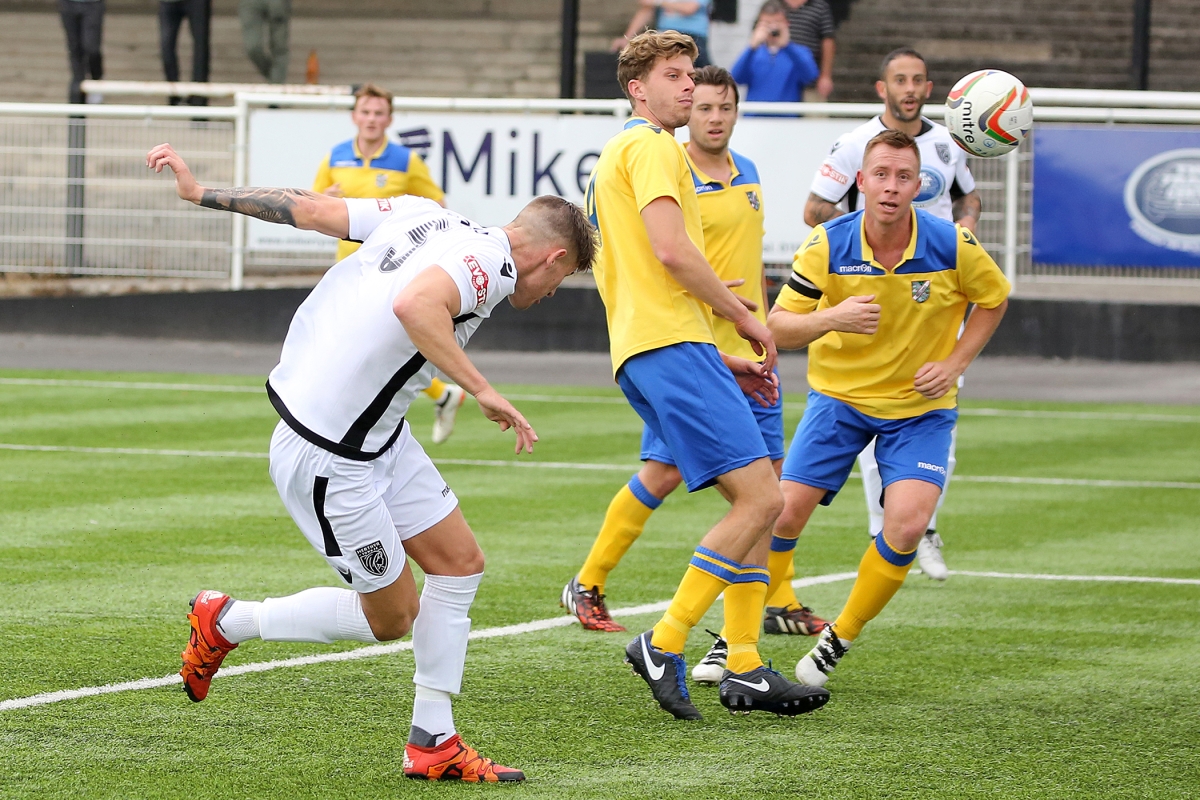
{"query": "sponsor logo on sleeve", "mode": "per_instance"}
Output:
(834, 175)
(479, 279)
(373, 557)
(384, 203)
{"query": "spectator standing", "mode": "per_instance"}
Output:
(810, 24)
(685, 16)
(269, 19)
(83, 21)
(171, 14)
(773, 68)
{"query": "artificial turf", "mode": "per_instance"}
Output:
(979, 687)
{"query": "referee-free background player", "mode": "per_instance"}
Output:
(371, 166)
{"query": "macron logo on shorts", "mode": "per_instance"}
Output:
(931, 467)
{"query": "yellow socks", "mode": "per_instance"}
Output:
(707, 576)
(435, 390)
(880, 574)
(744, 601)
(782, 569)
(623, 524)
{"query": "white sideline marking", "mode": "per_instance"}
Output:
(599, 399)
(479, 462)
(369, 651)
(374, 650)
(1034, 576)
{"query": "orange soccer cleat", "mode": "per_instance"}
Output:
(206, 647)
(455, 760)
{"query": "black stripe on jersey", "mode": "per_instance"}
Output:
(312, 437)
(320, 486)
(803, 287)
(956, 192)
(357, 435)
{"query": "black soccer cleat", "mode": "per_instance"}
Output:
(665, 674)
(764, 689)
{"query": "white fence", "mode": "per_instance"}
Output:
(77, 198)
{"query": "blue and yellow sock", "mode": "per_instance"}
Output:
(623, 524)
(707, 576)
(744, 601)
(880, 574)
(782, 567)
(436, 389)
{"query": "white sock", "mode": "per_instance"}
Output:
(323, 614)
(239, 621)
(432, 717)
(440, 631)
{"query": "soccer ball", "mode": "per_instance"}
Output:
(989, 113)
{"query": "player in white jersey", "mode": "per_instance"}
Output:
(356, 482)
(947, 191)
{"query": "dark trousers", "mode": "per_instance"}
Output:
(170, 17)
(84, 24)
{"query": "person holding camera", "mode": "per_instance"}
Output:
(773, 68)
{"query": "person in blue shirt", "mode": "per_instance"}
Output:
(773, 68)
(685, 16)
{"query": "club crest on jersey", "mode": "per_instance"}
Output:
(920, 290)
(943, 151)
(381, 180)
(479, 279)
(373, 558)
(389, 262)
(752, 196)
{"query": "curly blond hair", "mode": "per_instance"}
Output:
(644, 50)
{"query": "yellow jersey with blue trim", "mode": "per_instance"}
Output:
(646, 307)
(732, 215)
(923, 301)
(393, 171)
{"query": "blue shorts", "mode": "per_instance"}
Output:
(770, 425)
(831, 434)
(690, 402)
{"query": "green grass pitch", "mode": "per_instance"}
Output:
(980, 687)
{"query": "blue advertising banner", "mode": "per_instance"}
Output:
(1116, 196)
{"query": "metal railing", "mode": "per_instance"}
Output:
(76, 200)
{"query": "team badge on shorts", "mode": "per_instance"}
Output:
(373, 558)
(752, 196)
(920, 290)
(943, 151)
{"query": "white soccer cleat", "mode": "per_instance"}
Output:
(712, 666)
(929, 556)
(814, 668)
(446, 411)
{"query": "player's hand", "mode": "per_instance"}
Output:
(502, 412)
(934, 379)
(334, 191)
(761, 388)
(185, 183)
(760, 339)
(856, 314)
(748, 303)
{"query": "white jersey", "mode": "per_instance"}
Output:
(944, 173)
(348, 370)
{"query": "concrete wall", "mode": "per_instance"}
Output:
(574, 320)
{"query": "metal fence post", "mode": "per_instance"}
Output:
(241, 128)
(1012, 196)
(76, 172)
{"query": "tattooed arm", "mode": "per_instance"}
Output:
(818, 210)
(966, 210)
(299, 208)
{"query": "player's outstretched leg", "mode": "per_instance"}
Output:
(206, 647)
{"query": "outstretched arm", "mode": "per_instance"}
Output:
(299, 208)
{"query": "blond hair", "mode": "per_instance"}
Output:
(372, 90)
(897, 140)
(646, 49)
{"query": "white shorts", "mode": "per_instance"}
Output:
(357, 514)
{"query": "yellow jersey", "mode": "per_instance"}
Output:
(646, 307)
(391, 172)
(923, 301)
(732, 215)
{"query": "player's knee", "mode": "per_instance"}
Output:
(790, 522)
(472, 563)
(660, 480)
(396, 623)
